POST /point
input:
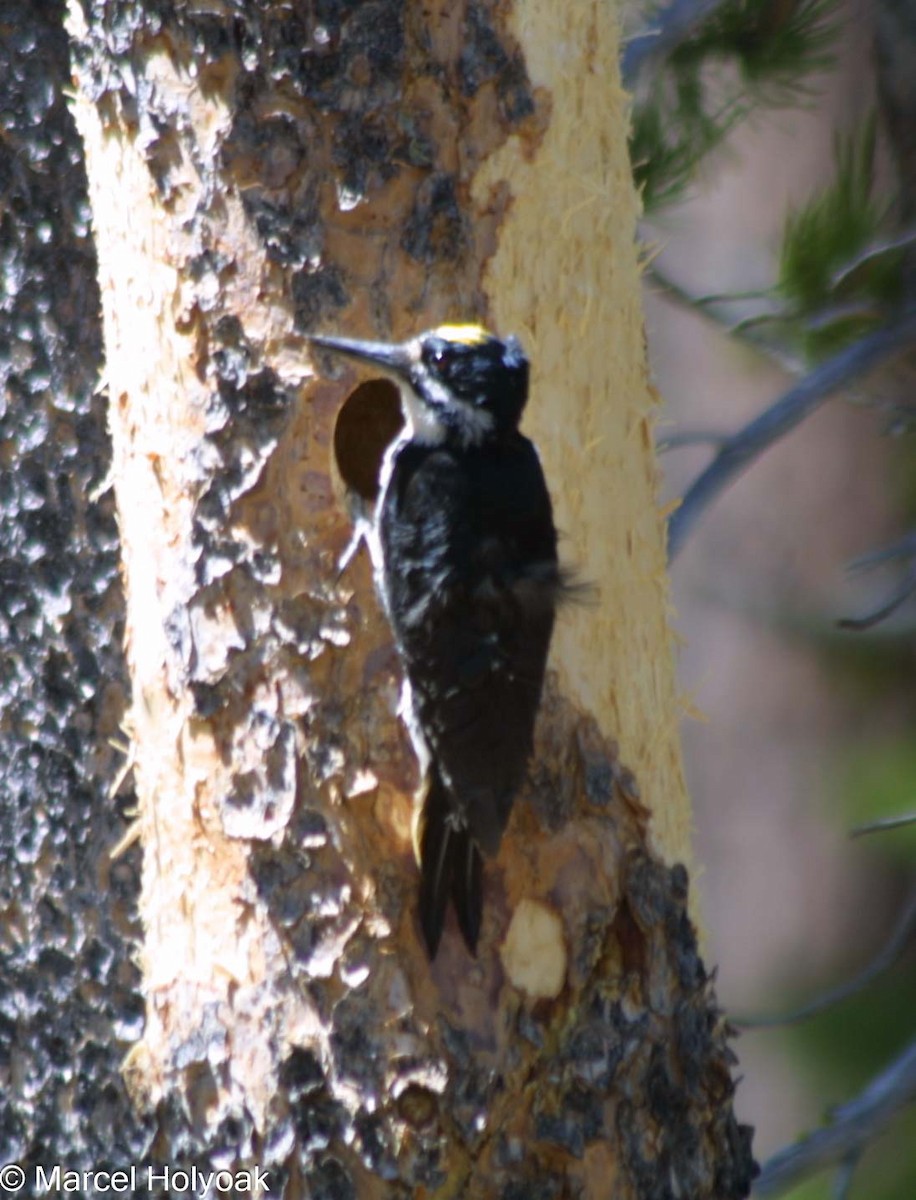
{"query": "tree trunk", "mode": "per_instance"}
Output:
(256, 175)
(70, 1000)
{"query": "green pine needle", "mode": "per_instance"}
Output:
(832, 227)
(832, 303)
(749, 53)
(775, 45)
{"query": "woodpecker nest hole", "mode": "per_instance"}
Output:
(368, 422)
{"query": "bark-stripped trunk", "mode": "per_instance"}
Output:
(256, 173)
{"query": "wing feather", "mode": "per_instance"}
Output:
(472, 583)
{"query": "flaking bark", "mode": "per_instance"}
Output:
(255, 176)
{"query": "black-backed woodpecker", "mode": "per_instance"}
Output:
(465, 557)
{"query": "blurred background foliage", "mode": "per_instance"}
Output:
(839, 305)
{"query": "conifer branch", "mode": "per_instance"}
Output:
(900, 938)
(799, 402)
(851, 1129)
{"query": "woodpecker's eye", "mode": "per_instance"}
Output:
(439, 354)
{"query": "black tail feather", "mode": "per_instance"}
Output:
(450, 865)
(435, 874)
(467, 887)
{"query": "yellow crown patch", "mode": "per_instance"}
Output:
(466, 335)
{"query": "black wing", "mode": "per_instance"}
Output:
(472, 580)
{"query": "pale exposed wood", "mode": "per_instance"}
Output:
(209, 947)
(566, 276)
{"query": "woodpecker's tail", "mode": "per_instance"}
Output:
(450, 865)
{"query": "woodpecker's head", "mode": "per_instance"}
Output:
(457, 382)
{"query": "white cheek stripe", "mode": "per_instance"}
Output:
(424, 425)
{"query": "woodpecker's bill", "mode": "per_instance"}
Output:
(465, 555)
